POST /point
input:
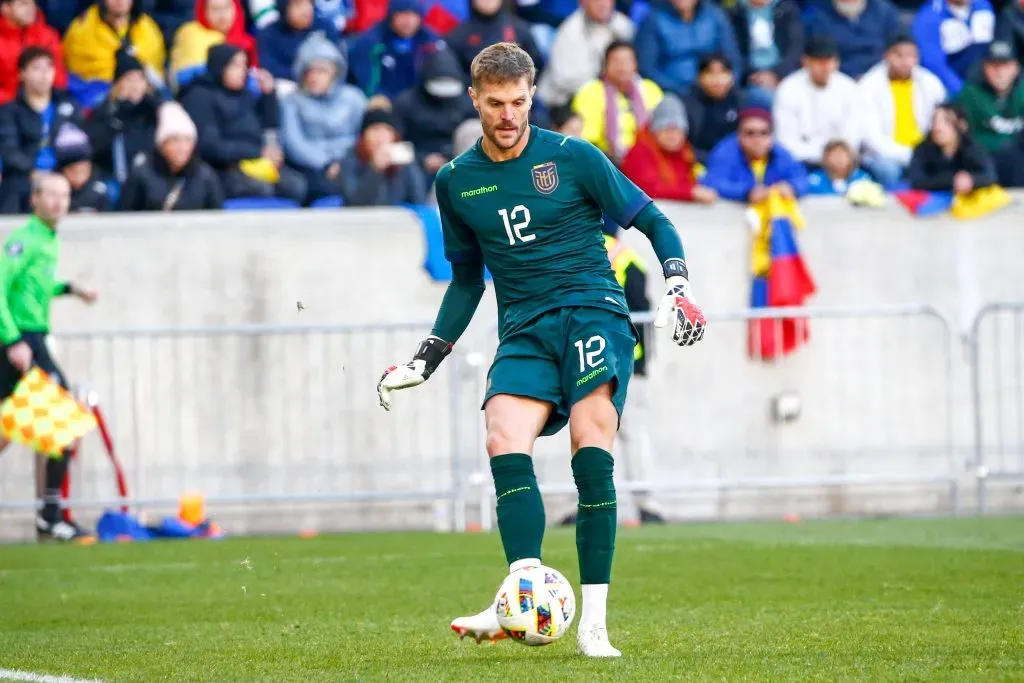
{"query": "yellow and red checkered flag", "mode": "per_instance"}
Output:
(42, 415)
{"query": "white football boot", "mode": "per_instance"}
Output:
(592, 641)
(481, 626)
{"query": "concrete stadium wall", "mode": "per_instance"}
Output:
(260, 415)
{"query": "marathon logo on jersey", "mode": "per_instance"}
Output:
(545, 177)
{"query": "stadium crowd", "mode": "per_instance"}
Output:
(149, 105)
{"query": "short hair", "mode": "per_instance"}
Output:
(31, 54)
(39, 181)
(502, 63)
(618, 44)
(710, 59)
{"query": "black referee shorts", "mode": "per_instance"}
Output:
(10, 376)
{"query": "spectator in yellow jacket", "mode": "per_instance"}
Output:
(95, 36)
(618, 104)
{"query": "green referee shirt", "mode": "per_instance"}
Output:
(28, 282)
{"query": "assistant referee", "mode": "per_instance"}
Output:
(28, 282)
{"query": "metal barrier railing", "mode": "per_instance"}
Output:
(260, 416)
(872, 388)
(997, 391)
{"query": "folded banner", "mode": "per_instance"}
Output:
(780, 277)
(968, 206)
(42, 415)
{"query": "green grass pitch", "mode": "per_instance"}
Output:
(882, 600)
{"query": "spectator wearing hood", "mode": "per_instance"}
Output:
(1010, 25)
(896, 100)
(28, 125)
(93, 39)
(816, 105)
(238, 129)
(172, 177)
(386, 60)
(993, 102)
(121, 128)
(320, 121)
(489, 22)
(279, 43)
(662, 162)
(216, 22)
(770, 37)
(862, 29)
(431, 111)
(744, 166)
(953, 36)
(676, 34)
(369, 174)
(578, 51)
(949, 160)
(617, 105)
(713, 105)
(23, 25)
(89, 193)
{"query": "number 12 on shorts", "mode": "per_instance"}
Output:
(590, 352)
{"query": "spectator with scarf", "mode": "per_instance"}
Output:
(662, 162)
(216, 22)
(616, 105)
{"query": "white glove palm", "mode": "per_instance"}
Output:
(414, 373)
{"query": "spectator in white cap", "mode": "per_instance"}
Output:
(662, 161)
(173, 178)
(74, 161)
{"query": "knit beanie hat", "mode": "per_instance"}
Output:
(125, 61)
(670, 112)
(71, 145)
(373, 116)
(173, 120)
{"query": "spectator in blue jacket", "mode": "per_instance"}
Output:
(320, 122)
(744, 166)
(279, 43)
(386, 60)
(862, 29)
(675, 35)
(952, 36)
(839, 169)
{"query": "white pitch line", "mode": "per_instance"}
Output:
(29, 677)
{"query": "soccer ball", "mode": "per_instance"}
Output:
(535, 605)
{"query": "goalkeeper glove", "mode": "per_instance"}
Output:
(430, 354)
(689, 319)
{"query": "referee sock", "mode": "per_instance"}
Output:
(56, 470)
(596, 517)
(520, 508)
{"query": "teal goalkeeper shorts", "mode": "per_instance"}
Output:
(563, 356)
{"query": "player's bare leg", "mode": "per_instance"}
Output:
(513, 425)
(592, 425)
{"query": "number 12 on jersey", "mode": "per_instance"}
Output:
(514, 224)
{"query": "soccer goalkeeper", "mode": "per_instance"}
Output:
(528, 204)
(27, 268)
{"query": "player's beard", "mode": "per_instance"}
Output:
(491, 133)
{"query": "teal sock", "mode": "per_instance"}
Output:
(596, 519)
(520, 508)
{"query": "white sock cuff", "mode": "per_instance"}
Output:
(523, 564)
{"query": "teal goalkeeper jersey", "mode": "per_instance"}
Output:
(536, 223)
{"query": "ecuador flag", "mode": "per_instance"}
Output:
(780, 278)
(976, 204)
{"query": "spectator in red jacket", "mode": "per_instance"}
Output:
(662, 161)
(21, 26)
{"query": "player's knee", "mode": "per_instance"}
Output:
(594, 428)
(502, 438)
